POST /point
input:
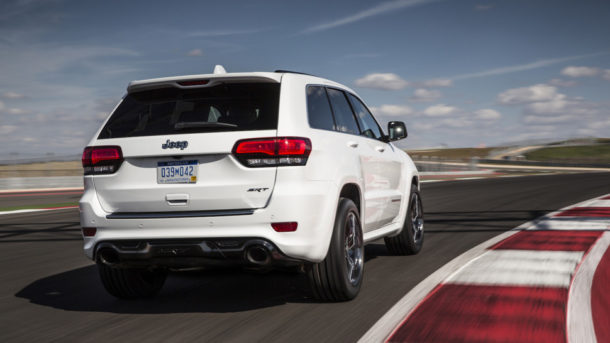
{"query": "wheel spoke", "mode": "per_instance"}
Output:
(353, 248)
(417, 220)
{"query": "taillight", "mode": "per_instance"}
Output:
(102, 159)
(273, 152)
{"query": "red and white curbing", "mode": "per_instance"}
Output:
(544, 281)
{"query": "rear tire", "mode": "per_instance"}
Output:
(131, 283)
(339, 276)
(411, 239)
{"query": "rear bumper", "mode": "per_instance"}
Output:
(311, 204)
(185, 253)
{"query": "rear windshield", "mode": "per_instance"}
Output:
(226, 107)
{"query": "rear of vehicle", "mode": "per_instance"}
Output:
(255, 169)
(184, 174)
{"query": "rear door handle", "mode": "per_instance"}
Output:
(380, 148)
(352, 144)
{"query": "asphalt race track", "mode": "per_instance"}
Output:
(50, 291)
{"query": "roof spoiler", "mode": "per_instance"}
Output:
(219, 76)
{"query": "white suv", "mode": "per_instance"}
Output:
(263, 170)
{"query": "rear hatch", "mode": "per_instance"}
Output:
(176, 141)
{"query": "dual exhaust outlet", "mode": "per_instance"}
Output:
(255, 254)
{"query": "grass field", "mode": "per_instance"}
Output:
(584, 153)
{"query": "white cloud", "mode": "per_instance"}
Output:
(606, 75)
(385, 81)
(532, 119)
(1, 105)
(523, 67)
(439, 110)
(6, 129)
(436, 83)
(562, 83)
(12, 95)
(535, 93)
(424, 95)
(553, 106)
(392, 110)
(483, 7)
(221, 33)
(487, 114)
(17, 111)
(599, 124)
(573, 71)
(29, 139)
(456, 122)
(379, 9)
(195, 52)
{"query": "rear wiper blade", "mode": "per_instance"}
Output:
(197, 124)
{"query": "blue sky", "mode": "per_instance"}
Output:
(458, 72)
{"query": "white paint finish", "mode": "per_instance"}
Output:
(294, 193)
(520, 268)
(580, 318)
(222, 182)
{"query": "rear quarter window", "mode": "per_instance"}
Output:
(319, 114)
(226, 107)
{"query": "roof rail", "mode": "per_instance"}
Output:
(291, 72)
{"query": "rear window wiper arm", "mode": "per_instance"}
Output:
(203, 124)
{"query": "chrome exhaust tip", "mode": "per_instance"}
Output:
(108, 256)
(258, 254)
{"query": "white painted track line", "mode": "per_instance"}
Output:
(520, 268)
(580, 317)
(36, 210)
(34, 190)
(458, 268)
(571, 224)
(385, 325)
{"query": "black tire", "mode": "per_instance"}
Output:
(131, 283)
(411, 239)
(339, 276)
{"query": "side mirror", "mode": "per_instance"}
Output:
(396, 130)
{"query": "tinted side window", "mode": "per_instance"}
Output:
(343, 112)
(318, 109)
(368, 125)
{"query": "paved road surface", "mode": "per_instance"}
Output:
(49, 291)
